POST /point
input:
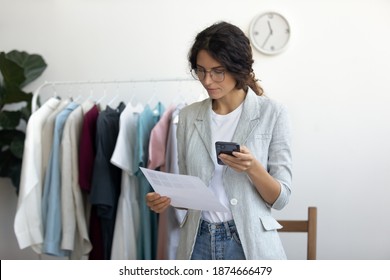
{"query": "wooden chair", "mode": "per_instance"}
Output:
(309, 226)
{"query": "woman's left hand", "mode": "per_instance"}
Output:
(265, 184)
(242, 161)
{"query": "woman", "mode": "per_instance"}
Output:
(253, 180)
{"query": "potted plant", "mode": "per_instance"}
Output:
(17, 69)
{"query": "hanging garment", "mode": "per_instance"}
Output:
(170, 220)
(87, 148)
(51, 201)
(106, 177)
(158, 141)
(147, 237)
(74, 227)
(156, 160)
(28, 219)
(48, 132)
(87, 153)
(171, 150)
(124, 246)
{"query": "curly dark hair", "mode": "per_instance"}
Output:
(228, 44)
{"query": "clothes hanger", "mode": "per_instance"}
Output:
(115, 96)
(101, 98)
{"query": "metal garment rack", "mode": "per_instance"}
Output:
(37, 92)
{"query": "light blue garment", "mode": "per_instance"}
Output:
(51, 201)
(147, 237)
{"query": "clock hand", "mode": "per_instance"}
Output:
(270, 28)
(266, 39)
(269, 34)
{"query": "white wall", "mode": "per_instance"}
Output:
(333, 77)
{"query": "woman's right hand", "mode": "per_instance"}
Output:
(156, 202)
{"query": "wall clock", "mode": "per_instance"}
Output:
(270, 33)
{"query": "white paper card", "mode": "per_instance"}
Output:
(185, 191)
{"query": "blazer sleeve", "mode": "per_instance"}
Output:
(280, 159)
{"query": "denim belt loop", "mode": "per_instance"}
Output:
(227, 228)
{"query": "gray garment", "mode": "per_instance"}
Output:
(264, 127)
(106, 177)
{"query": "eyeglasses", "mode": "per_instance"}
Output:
(217, 75)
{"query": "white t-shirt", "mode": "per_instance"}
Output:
(222, 129)
(124, 246)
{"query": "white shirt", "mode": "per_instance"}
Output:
(222, 127)
(75, 237)
(124, 246)
(28, 219)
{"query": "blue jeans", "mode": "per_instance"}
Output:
(217, 241)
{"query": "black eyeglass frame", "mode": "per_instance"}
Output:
(213, 73)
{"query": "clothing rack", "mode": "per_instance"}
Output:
(92, 84)
(39, 161)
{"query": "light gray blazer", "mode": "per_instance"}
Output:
(264, 127)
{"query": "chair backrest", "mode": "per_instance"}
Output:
(309, 226)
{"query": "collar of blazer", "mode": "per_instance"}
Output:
(249, 119)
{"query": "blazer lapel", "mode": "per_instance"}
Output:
(248, 121)
(203, 126)
(249, 118)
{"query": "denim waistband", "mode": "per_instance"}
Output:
(228, 227)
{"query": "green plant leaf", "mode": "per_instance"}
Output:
(14, 95)
(7, 136)
(12, 73)
(15, 173)
(10, 119)
(33, 65)
(11, 167)
(2, 93)
(5, 158)
(17, 147)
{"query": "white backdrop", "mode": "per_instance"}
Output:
(333, 77)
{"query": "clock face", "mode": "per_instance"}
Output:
(270, 33)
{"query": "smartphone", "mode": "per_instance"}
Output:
(225, 148)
